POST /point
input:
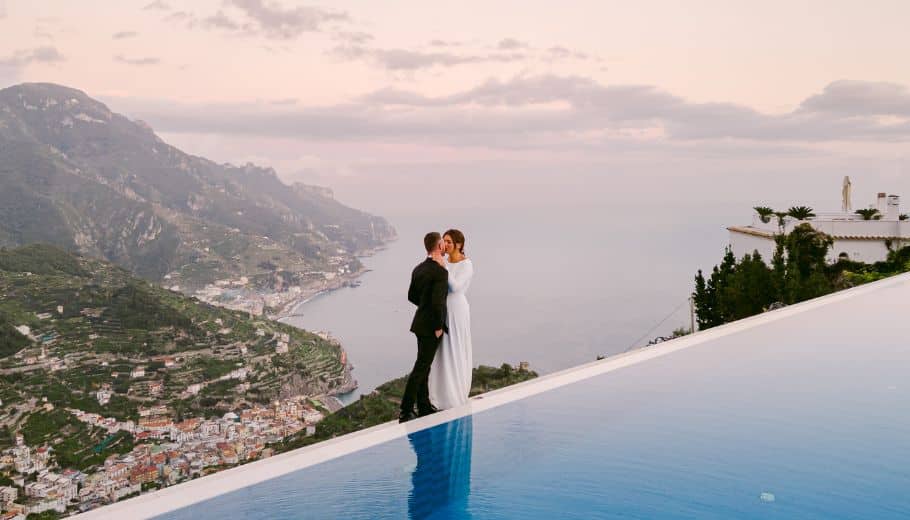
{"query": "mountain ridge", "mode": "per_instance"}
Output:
(77, 175)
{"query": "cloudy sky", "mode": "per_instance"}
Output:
(743, 96)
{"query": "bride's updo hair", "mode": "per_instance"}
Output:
(457, 237)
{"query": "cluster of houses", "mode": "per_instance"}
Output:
(43, 340)
(236, 294)
(166, 452)
(24, 459)
(48, 491)
(231, 294)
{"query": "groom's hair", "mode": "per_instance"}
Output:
(431, 240)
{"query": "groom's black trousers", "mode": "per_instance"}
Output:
(417, 387)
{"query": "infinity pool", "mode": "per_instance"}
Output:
(807, 416)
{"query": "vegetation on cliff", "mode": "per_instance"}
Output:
(383, 404)
(739, 288)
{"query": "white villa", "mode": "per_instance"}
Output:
(857, 239)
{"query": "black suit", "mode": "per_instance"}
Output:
(429, 287)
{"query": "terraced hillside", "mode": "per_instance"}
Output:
(85, 334)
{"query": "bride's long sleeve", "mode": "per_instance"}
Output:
(460, 282)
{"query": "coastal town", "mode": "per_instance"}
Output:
(166, 452)
(116, 386)
(279, 296)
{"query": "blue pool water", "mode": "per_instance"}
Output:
(806, 417)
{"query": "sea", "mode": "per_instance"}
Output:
(554, 285)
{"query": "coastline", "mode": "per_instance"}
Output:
(289, 309)
(332, 399)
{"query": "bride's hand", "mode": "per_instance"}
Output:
(441, 261)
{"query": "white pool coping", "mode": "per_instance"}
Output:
(210, 486)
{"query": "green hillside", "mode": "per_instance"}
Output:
(92, 325)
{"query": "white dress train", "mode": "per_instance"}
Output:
(450, 374)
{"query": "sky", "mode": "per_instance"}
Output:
(651, 99)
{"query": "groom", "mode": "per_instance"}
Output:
(429, 286)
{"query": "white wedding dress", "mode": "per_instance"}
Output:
(450, 374)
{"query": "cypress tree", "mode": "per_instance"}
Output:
(779, 270)
(704, 299)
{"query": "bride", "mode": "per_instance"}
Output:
(450, 375)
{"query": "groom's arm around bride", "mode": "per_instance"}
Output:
(428, 291)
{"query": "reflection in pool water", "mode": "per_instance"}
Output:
(441, 481)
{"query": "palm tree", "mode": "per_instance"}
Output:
(764, 213)
(781, 219)
(801, 212)
(869, 213)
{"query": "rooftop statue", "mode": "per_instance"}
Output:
(847, 206)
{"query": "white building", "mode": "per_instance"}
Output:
(52, 485)
(854, 238)
(311, 416)
(120, 492)
(152, 411)
(240, 373)
(56, 504)
(8, 494)
(103, 396)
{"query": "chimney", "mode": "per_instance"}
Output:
(894, 208)
(880, 203)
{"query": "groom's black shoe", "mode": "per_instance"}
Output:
(429, 411)
(406, 416)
